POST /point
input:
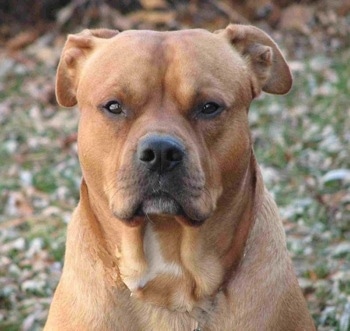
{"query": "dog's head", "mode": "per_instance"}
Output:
(163, 127)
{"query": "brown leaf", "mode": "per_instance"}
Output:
(153, 18)
(153, 4)
(22, 40)
(297, 18)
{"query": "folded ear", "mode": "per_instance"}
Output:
(271, 71)
(74, 54)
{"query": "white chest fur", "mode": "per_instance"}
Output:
(136, 274)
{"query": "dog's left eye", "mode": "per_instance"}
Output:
(113, 107)
(209, 110)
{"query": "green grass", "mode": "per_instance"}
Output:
(34, 167)
(300, 137)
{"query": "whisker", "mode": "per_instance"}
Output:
(148, 218)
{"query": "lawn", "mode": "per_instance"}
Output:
(301, 140)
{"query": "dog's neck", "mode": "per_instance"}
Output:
(168, 264)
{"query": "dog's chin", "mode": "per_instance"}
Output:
(160, 205)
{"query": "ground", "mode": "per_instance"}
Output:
(301, 141)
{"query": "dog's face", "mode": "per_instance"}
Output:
(165, 123)
(163, 128)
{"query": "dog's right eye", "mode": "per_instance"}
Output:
(210, 108)
(113, 107)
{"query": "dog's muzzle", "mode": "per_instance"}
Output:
(158, 157)
(161, 178)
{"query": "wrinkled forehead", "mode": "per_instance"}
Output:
(189, 60)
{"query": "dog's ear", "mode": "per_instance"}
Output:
(264, 57)
(75, 52)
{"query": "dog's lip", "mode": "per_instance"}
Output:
(180, 213)
(159, 203)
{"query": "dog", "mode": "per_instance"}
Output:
(174, 229)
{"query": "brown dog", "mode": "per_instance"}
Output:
(174, 229)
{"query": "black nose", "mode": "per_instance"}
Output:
(160, 153)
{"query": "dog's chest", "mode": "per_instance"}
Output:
(155, 264)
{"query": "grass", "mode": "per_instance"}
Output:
(299, 138)
(39, 187)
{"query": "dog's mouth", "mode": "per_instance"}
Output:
(159, 204)
(162, 204)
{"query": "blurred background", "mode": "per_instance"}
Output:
(301, 140)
